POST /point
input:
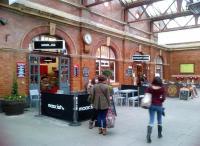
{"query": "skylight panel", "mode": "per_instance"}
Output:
(172, 24)
(187, 20)
(184, 5)
(162, 5)
(151, 11)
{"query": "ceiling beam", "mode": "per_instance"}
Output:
(172, 16)
(178, 28)
(140, 3)
(97, 2)
(163, 17)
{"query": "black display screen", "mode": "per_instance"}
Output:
(48, 44)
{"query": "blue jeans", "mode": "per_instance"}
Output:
(101, 118)
(152, 111)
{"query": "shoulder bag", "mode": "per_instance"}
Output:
(146, 100)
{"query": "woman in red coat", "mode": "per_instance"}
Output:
(157, 91)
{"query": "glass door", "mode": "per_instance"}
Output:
(34, 72)
(64, 73)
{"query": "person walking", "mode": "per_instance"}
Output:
(101, 102)
(94, 111)
(158, 97)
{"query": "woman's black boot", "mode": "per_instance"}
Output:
(159, 131)
(149, 130)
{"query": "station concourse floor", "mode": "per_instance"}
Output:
(181, 127)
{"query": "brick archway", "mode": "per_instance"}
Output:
(45, 30)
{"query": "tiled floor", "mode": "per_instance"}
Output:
(181, 127)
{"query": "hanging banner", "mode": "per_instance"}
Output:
(21, 69)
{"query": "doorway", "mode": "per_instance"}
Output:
(49, 73)
(139, 73)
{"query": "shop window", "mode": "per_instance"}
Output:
(105, 61)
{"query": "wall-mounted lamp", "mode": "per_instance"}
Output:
(3, 21)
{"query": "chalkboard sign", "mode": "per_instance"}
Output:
(184, 94)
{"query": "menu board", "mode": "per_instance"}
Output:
(184, 94)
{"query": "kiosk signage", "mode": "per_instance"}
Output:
(58, 44)
(61, 106)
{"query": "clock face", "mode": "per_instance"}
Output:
(87, 38)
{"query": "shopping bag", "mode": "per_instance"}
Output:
(110, 119)
(112, 105)
(146, 101)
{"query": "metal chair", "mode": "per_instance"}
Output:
(118, 98)
(136, 99)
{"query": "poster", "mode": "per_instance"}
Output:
(21, 69)
(85, 72)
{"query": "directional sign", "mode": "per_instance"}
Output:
(141, 58)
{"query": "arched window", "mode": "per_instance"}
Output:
(159, 67)
(105, 61)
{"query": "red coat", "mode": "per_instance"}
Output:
(158, 95)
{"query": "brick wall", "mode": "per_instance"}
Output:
(188, 56)
(19, 35)
(8, 72)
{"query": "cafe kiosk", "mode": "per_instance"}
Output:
(50, 74)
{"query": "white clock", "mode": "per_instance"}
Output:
(87, 38)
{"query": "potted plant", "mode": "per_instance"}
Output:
(108, 74)
(14, 104)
